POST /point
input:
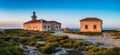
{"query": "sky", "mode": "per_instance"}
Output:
(13, 13)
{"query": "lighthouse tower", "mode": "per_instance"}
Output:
(34, 16)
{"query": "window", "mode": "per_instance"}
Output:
(57, 27)
(94, 26)
(86, 26)
(48, 26)
(45, 26)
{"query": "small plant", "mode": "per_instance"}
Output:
(116, 37)
(99, 43)
(32, 43)
(24, 46)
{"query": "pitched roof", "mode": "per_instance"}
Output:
(54, 22)
(91, 19)
(37, 21)
(42, 20)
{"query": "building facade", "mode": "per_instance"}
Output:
(41, 24)
(91, 25)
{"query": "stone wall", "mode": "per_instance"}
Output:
(33, 26)
(91, 26)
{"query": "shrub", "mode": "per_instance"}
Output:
(37, 45)
(99, 43)
(76, 44)
(16, 39)
(116, 37)
(65, 37)
(47, 49)
(32, 43)
(79, 43)
(23, 40)
(15, 50)
(113, 51)
(9, 48)
(7, 38)
(61, 42)
(82, 48)
(83, 43)
(103, 51)
(1, 32)
(68, 45)
(51, 38)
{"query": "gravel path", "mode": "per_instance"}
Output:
(105, 38)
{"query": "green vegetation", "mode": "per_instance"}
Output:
(110, 31)
(48, 49)
(99, 43)
(66, 42)
(53, 42)
(1, 32)
(116, 35)
(93, 50)
(84, 33)
(47, 44)
(11, 38)
(9, 48)
(73, 52)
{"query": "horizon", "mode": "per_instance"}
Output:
(67, 27)
(13, 13)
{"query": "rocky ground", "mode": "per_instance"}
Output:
(105, 38)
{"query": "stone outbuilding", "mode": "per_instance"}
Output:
(91, 25)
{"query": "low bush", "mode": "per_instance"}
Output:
(103, 51)
(99, 43)
(47, 49)
(85, 33)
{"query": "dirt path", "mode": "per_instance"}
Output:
(105, 38)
